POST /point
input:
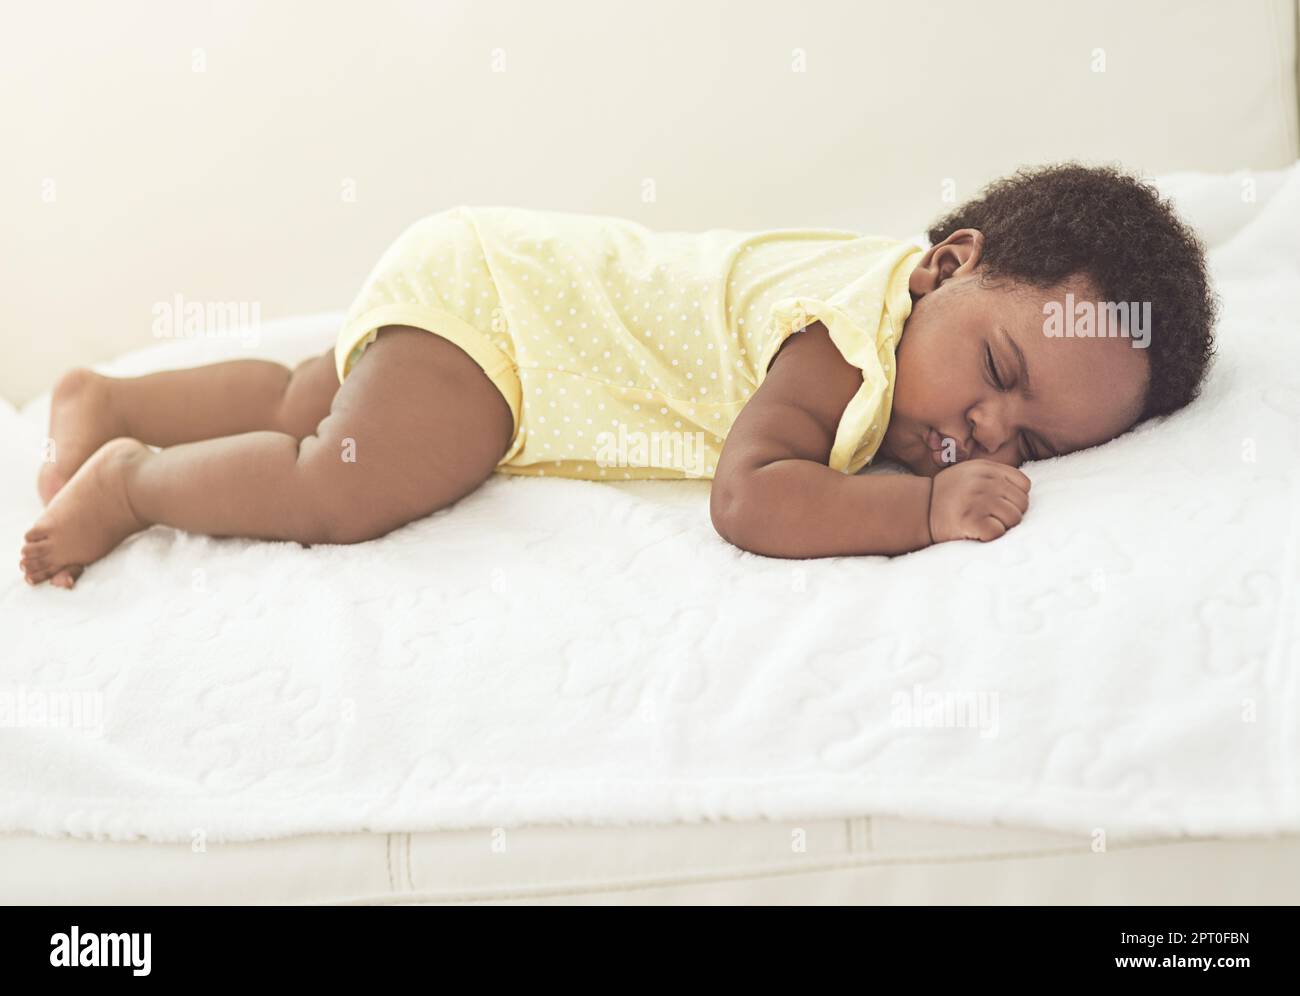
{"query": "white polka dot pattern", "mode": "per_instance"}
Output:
(632, 351)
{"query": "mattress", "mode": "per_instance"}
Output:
(877, 860)
(713, 726)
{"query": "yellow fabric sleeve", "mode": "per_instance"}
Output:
(865, 320)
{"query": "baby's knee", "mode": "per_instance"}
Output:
(336, 502)
(345, 526)
(324, 517)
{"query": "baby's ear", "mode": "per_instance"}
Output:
(956, 256)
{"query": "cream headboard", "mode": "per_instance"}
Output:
(266, 153)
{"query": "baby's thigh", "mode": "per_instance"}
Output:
(416, 425)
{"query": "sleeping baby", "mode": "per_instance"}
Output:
(1054, 312)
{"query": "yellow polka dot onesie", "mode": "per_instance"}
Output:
(625, 352)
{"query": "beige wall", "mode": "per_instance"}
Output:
(130, 176)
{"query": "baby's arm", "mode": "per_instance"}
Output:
(774, 494)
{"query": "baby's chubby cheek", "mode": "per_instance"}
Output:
(905, 439)
(904, 412)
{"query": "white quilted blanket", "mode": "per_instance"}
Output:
(554, 651)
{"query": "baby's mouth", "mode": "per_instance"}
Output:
(935, 440)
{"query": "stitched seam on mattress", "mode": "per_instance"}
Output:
(410, 879)
(856, 835)
(388, 860)
(767, 871)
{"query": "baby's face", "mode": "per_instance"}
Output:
(976, 366)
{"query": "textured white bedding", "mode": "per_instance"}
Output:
(554, 651)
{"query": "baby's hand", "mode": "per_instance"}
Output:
(977, 499)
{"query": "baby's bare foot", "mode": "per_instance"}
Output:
(81, 421)
(87, 518)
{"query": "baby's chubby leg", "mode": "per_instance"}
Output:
(416, 426)
(181, 406)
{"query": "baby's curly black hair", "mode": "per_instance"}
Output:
(1044, 224)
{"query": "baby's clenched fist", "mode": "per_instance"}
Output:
(977, 499)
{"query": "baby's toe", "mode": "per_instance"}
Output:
(36, 533)
(35, 548)
(34, 567)
(66, 577)
(39, 564)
